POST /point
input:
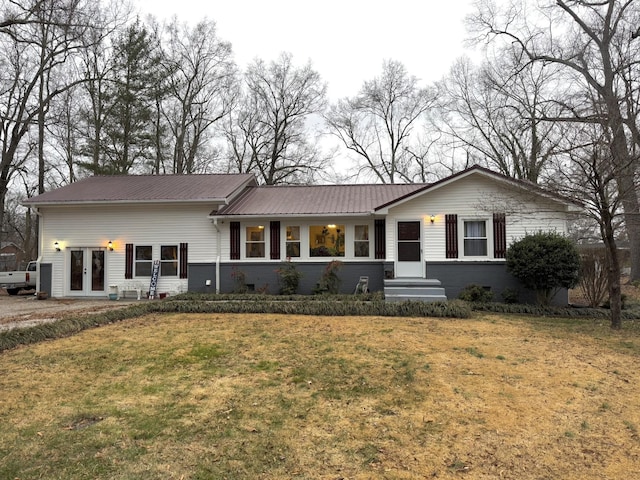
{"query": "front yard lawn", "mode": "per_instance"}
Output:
(213, 396)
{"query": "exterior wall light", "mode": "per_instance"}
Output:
(433, 218)
(110, 246)
(56, 245)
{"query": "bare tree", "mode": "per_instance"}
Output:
(594, 44)
(63, 134)
(32, 52)
(495, 113)
(377, 124)
(201, 77)
(14, 13)
(587, 174)
(268, 131)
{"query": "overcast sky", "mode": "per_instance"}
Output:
(346, 40)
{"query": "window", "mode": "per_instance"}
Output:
(475, 238)
(144, 257)
(168, 260)
(326, 240)
(293, 241)
(255, 242)
(361, 241)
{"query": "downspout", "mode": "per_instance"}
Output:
(40, 247)
(218, 248)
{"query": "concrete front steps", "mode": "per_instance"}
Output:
(416, 289)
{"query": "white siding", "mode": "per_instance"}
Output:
(475, 197)
(156, 225)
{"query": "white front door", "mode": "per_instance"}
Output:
(409, 262)
(86, 272)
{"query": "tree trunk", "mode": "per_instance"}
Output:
(613, 271)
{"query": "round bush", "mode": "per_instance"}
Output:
(544, 262)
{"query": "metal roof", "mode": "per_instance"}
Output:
(315, 200)
(146, 188)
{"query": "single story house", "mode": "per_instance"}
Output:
(209, 232)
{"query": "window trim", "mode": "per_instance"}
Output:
(246, 241)
(136, 261)
(355, 241)
(337, 232)
(486, 238)
(293, 241)
(175, 261)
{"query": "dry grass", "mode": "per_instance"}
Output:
(277, 397)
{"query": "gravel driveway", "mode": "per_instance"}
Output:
(25, 310)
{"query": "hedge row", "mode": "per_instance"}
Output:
(328, 307)
(339, 305)
(259, 297)
(550, 311)
(66, 327)
(322, 306)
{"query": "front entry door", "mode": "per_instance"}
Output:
(86, 271)
(409, 250)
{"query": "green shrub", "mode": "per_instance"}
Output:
(289, 277)
(510, 295)
(475, 293)
(544, 262)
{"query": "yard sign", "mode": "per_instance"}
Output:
(153, 287)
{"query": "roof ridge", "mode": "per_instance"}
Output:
(344, 185)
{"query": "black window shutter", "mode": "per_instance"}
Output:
(451, 235)
(274, 236)
(234, 228)
(184, 260)
(499, 235)
(128, 261)
(379, 238)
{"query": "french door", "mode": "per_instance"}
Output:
(86, 271)
(409, 250)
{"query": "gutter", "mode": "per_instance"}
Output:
(218, 254)
(40, 248)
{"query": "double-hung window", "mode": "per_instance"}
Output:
(169, 260)
(255, 245)
(144, 257)
(361, 241)
(293, 241)
(475, 238)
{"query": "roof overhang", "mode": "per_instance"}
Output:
(477, 170)
(293, 215)
(89, 203)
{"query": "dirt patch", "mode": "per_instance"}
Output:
(26, 310)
